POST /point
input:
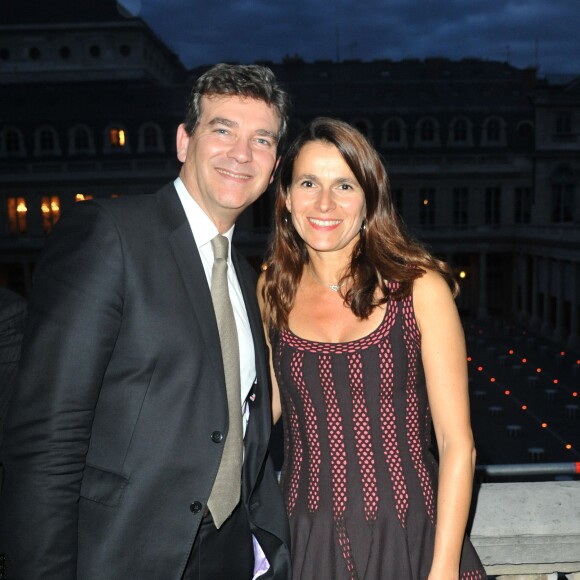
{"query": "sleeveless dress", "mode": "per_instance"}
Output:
(359, 478)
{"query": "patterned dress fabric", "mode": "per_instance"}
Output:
(359, 479)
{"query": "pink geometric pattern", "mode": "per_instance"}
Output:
(335, 438)
(472, 575)
(362, 432)
(375, 337)
(389, 428)
(311, 423)
(344, 543)
(296, 460)
(412, 414)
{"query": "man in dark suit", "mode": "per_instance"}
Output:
(12, 317)
(121, 416)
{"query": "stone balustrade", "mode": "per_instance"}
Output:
(529, 530)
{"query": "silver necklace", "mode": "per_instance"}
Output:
(333, 287)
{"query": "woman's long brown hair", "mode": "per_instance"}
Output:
(384, 252)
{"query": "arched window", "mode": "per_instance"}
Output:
(394, 134)
(116, 139)
(150, 139)
(493, 132)
(12, 142)
(80, 140)
(460, 132)
(427, 133)
(46, 141)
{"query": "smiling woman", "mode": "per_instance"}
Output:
(367, 355)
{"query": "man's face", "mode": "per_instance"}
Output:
(229, 159)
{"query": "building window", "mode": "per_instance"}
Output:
(17, 211)
(393, 133)
(150, 139)
(426, 131)
(460, 206)
(564, 124)
(80, 140)
(46, 142)
(460, 132)
(50, 207)
(83, 196)
(493, 132)
(116, 139)
(563, 189)
(12, 142)
(523, 205)
(427, 206)
(493, 206)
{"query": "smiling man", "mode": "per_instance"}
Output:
(144, 372)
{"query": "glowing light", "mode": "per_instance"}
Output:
(492, 380)
(574, 394)
(562, 353)
(44, 208)
(507, 392)
(568, 446)
(555, 381)
(479, 369)
(524, 360)
(54, 206)
(21, 207)
(425, 202)
(544, 425)
(511, 351)
(524, 407)
(538, 370)
(469, 359)
(463, 274)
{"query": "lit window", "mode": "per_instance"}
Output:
(50, 207)
(17, 211)
(117, 137)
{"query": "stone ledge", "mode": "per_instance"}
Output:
(528, 528)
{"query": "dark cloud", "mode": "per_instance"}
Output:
(525, 32)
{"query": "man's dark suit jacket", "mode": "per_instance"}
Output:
(109, 451)
(12, 317)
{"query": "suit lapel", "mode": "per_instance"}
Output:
(191, 269)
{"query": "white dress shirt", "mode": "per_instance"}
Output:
(204, 230)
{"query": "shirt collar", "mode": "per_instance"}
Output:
(204, 230)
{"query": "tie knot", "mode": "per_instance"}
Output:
(219, 245)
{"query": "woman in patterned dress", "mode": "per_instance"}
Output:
(368, 354)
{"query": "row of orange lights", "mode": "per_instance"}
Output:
(507, 392)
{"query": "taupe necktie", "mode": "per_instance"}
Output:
(225, 494)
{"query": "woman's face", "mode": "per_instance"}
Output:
(325, 200)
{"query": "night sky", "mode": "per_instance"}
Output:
(542, 33)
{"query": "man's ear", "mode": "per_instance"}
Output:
(182, 142)
(274, 170)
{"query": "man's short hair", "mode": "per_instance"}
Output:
(251, 81)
